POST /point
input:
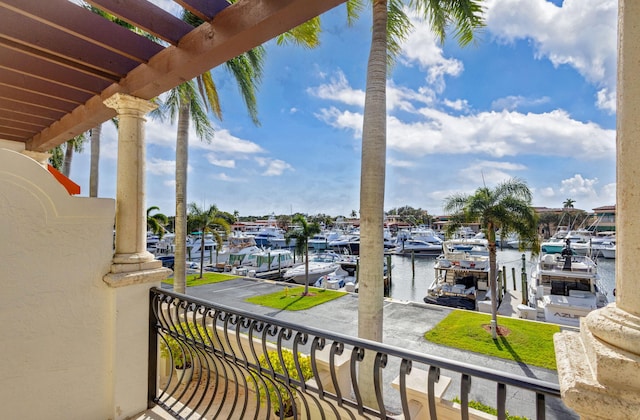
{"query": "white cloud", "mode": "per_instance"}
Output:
(226, 178)
(511, 103)
(342, 119)
(490, 172)
(457, 105)
(423, 48)
(274, 167)
(224, 142)
(585, 191)
(501, 134)
(398, 97)
(578, 186)
(224, 163)
(338, 89)
(161, 167)
(606, 100)
(580, 33)
(400, 163)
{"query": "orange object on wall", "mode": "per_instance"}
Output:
(71, 187)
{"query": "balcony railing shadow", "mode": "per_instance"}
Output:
(219, 362)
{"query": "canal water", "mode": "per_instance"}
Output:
(411, 280)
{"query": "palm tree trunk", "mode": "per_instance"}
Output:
(306, 269)
(492, 280)
(371, 289)
(68, 157)
(202, 252)
(182, 158)
(95, 160)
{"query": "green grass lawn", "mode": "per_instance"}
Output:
(292, 299)
(207, 278)
(527, 342)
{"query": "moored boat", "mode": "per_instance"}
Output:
(409, 246)
(461, 279)
(319, 265)
(268, 260)
(565, 287)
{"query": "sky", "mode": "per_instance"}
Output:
(533, 98)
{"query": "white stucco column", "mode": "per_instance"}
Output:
(134, 270)
(131, 237)
(599, 368)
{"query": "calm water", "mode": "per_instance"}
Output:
(407, 286)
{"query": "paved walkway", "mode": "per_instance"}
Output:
(404, 326)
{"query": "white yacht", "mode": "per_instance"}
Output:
(565, 287)
(462, 278)
(319, 265)
(268, 260)
(409, 246)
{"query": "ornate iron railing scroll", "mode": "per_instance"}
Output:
(209, 361)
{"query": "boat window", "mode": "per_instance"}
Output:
(558, 288)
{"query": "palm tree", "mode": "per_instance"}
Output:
(301, 234)
(207, 221)
(567, 205)
(156, 222)
(390, 26)
(508, 208)
(464, 16)
(76, 144)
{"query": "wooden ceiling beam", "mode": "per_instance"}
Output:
(238, 28)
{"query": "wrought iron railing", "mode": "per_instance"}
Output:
(208, 361)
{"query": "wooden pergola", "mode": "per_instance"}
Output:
(59, 61)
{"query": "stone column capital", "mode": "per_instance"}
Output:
(126, 104)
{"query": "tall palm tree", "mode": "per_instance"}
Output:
(506, 207)
(567, 205)
(389, 28)
(207, 221)
(301, 234)
(156, 222)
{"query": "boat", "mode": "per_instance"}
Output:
(346, 244)
(270, 236)
(461, 279)
(194, 244)
(409, 246)
(337, 280)
(565, 287)
(608, 250)
(472, 246)
(152, 241)
(320, 242)
(268, 260)
(319, 265)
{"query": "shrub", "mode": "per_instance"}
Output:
(178, 349)
(277, 390)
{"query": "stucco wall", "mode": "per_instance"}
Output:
(54, 307)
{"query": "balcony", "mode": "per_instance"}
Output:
(229, 373)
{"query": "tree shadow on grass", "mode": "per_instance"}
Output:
(502, 342)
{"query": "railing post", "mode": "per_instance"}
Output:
(152, 376)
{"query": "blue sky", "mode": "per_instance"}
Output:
(533, 98)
